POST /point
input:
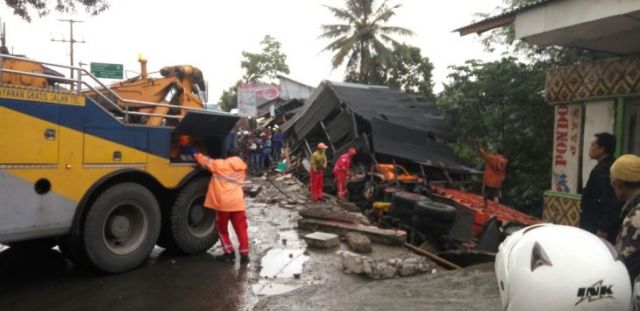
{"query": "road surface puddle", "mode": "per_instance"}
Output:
(281, 266)
(281, 263)
(268, 288)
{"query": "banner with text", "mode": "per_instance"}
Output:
(252, 95)
(566, 148)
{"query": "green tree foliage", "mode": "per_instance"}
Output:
(501, 103)
(25, 8)
(258, 67)
(364, 38)
(266, 64)
(229, 98)
(409, 72)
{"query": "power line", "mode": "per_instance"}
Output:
(71, 40)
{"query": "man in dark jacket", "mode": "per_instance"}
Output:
(625, 180)
(599, 208)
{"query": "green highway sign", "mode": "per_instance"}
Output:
(108, 71)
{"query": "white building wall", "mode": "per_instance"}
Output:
(562, 14)
(599, 117)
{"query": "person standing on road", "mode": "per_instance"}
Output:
(265, 152)
(318, 164)
(495, 166)
(254, 153)
(599, 209)
(625, 180)
(277, 143)
(340, 171)
(226, 197)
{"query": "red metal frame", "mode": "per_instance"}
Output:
(482, 215)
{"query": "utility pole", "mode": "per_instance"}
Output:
(71, 40)
(3, 39)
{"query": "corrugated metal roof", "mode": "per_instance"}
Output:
(394, 106)
(491, 20)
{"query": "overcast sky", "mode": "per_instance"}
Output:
(212, 34)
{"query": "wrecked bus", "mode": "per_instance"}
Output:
(397, 134)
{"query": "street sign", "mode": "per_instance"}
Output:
(108, 71)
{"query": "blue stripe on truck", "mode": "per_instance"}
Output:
(92, 120)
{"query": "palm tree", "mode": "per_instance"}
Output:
(364, 37)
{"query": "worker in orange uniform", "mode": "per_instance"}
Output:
(318, 164)
(225, 195)
(340, 171)
(495, 166)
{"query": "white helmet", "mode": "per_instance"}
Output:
(552, 267)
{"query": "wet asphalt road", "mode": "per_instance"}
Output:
(47, 281)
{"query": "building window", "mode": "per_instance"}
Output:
(631, 131)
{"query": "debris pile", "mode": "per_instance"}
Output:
(358, 242)
(385, 268)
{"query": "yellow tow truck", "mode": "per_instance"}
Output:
(99, 168)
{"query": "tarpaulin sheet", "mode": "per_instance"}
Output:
(394, 106)
(411, 144)
(206, 123)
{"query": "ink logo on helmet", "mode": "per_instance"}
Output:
(595, 292)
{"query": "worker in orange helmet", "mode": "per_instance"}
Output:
(318, 164)
(340, 171)
(495, 166)
(225, 195)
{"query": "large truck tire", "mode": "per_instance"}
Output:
(121, 228)
(407, 199)
(71, 247)
(435, 210)
(191, 225)
(403, 206)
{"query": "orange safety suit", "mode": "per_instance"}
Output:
(494, 169)
(340, 172)
(225, 188)
(226, 196)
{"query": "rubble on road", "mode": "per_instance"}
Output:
(358, 242)
(348, 206)
(326, 213)
(407, 265)
(323, 284)
(384, 236)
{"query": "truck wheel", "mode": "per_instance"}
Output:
(71, 248)
(436, 211)
(121, 228)
(193, 225)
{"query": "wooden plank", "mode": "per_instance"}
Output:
(384, 236)
(437, 259)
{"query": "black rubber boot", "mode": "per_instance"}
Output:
(244, 259)
(228, 257)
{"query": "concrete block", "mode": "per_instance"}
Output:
(322, 239)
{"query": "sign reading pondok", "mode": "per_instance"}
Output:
(566, 147)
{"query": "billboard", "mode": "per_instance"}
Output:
(252, 95)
